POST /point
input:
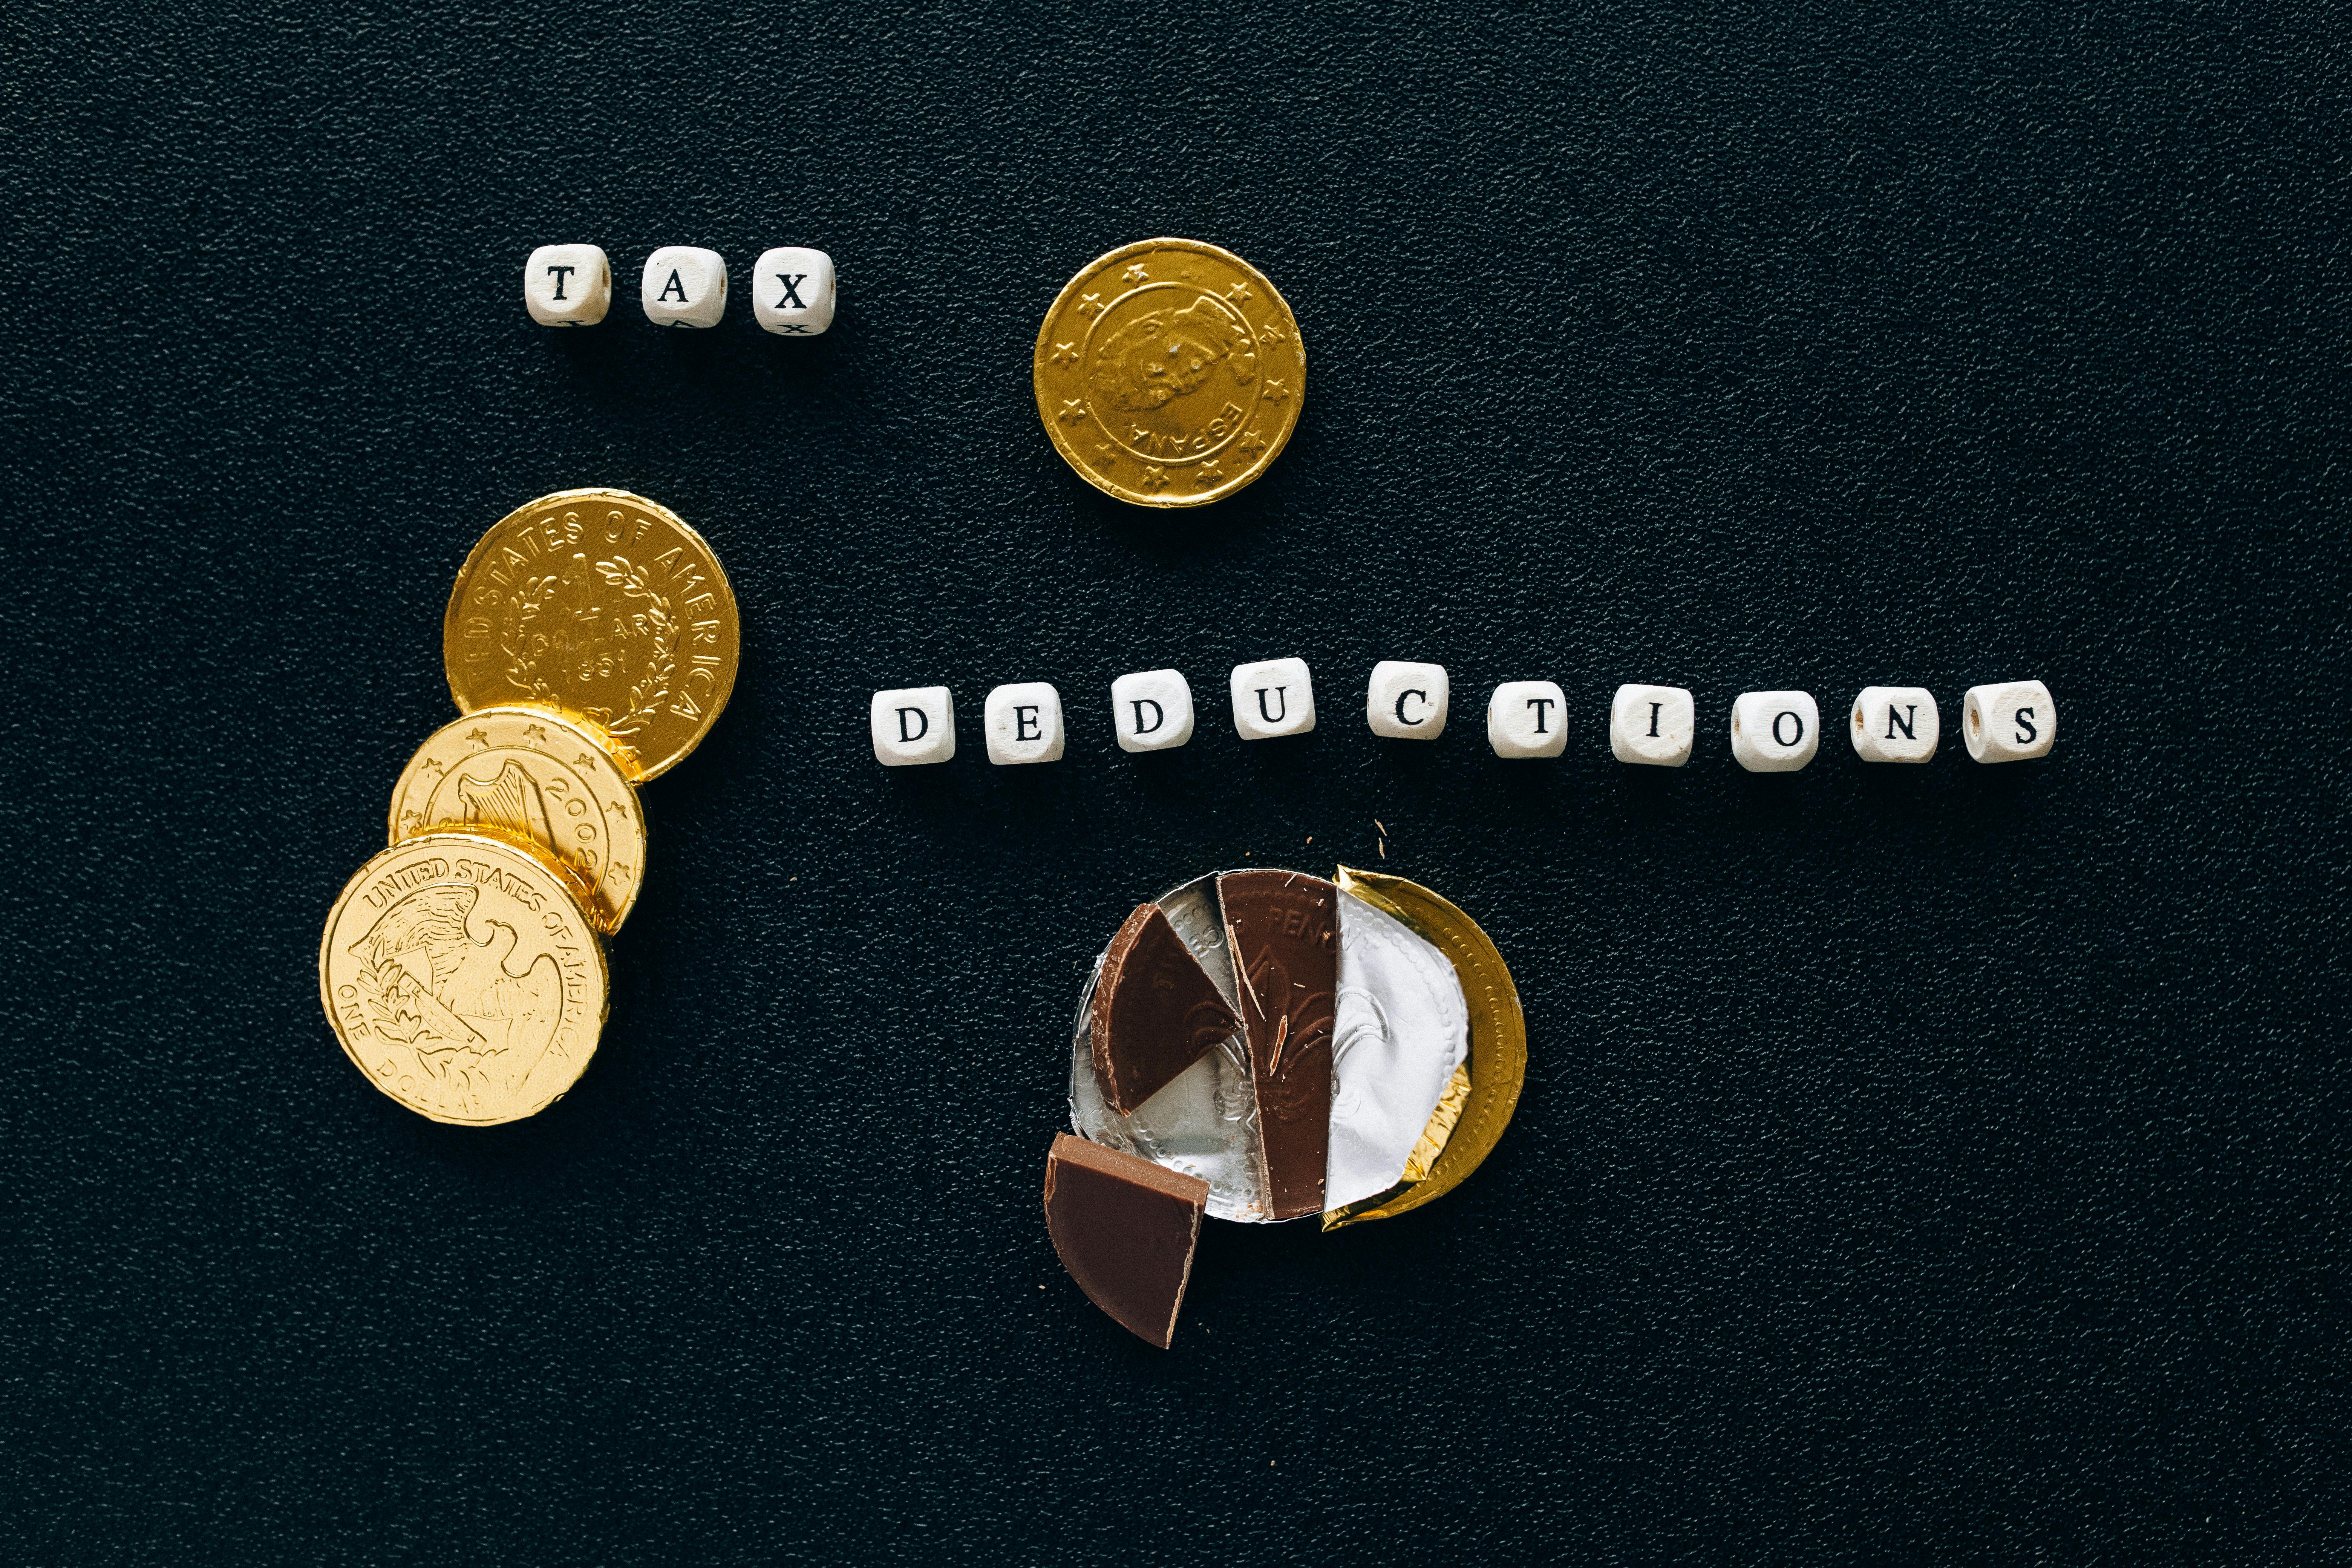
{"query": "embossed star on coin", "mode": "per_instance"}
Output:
(1168, 371)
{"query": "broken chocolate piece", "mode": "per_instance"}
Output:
(1155, 1011)
(1125, 1229)
(1284, 931)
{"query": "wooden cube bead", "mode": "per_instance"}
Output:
(683, 285)
(2009, 721)
(1408, 701)
(792, 291)
(1528, 719)
(1652, 724)
(1151, 710)
(1272, 697)
(567, 285)
(1024, 723)
(1894, 724)
(1775, 731)
(913, 725)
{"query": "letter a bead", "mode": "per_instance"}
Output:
(1775, 731)
(1407, 702)
(683, 285)
(1652, 724)
(1528, 719)
(1894, 724)
(792, 291)
(567, 285)
(2009, 721)
(1024, 723)
(1272, 697)
(1151, 710)
(913, 725)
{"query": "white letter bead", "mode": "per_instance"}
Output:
(1151, 710)
(1407, 702)
(685, 286)
(1273, 697)
(1023, 723)
(1652, 724)
(791, 290)
(2010, 721)
(1894, 724)
(1528, 719)
(567, 285)
(913, 725)
(1775, 731)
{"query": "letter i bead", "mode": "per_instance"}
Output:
(567, 285)
(1652, 724)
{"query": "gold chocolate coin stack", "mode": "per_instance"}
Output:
(591, 642)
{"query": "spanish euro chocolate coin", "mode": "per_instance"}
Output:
(604, 604)
(463, 978)
(539, 776)
(1170, 373)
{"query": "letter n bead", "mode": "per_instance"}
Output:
(1272, 697)
(1024, 723)
(1894, 724)
(792, 291)
(683, 285)
(1652, 724)
(913, 725)
(1407, 702)
(1775, 731)
(1528, 719)
(567, 285)
(2010, 721)
(1151, 710)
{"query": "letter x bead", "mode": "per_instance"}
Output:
(2009, 721)
(1775, 731)
(1024, 723)
(1652, 724)
(792, 291)
(1894, 724)
(1528, 719)
(1407, 702)
(683, 285)
(1272, 697)
(913, 725)
(1151, 710)
(567, 285)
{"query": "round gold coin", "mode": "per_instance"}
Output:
(604, 604)
(1170, 373)
(462, 979)
(540, 775)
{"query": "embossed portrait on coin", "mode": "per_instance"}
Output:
(1170, 352)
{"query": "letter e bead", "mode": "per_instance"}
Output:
(2010, 721)
(1024, 723)
(1272, 697)
(792, 291)
(1407, 702)
(1894, 724)
(913, 725)
(1652, 724)
(567, 285)
(683, 285)
(1151, 710)
(1775, 731)
(1528, 719)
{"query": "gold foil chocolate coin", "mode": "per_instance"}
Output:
(463, 978)
(604, 603)
(539, 776)
(1170, 373)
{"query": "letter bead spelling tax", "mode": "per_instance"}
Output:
(683, 285)
(1775, 731)
(567, 285)
(1272, 697)
(1894, 724)
(792, 291)
(1024, 723)
(1652, 725)
(2009, 721)
(1528, 719)
(913, 726)
(1406, 702)
(1151, 710)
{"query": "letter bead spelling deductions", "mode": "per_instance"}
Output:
(1407, 702)
(1024, 723)
(1272, 697)
(567, 285)
(1894, 724)
(2009, 721)
(683, 285)
(1528, 719)
(1775, 731)
(1151, 710)
(1652, 724)
(913, 725)
(792, 291)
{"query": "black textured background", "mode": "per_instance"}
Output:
(1938, 1163)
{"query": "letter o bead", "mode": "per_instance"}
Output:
(913, 725)
(1407, 702)
(1151, 710)
(1023, 722)
(1894, 724)
(683, 285)
(1775, 731)
(1528, 719)
(1272, 697)
(2010, 721)
(567, 285)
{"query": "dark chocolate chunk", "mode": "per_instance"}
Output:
(1125, 1229)
(1155, 1011)
(1284, 931)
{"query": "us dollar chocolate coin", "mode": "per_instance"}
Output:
(539, 776)
(1170, 373)
(604, 603)
(463, 978)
